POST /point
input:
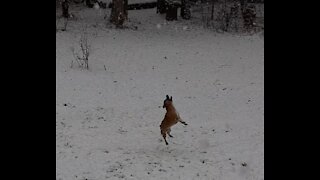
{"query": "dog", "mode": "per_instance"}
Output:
(171, 118)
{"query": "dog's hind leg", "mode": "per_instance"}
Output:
(164, 137)
(168, 132)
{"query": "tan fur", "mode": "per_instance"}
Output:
(171, 118)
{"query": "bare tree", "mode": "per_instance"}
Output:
(118, 12)
(243, 4)
(65, 8)
(126, 9)
(185, 9)
(212, 9)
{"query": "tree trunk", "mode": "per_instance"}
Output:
(126, 9)
(161, 6)
(65, 8)
(171, 13)
(118, 16)
(89, 3)
(212, 10)
(185, 9)
(243, 4)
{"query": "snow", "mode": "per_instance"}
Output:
(108, 117)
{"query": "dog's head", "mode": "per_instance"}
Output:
(167, 101)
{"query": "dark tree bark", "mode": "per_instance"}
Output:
(212, 9)
(243, 4)
(249, 16)
(89, 3)
(65, 8)
(118, 16)
(172, 12)
(126, 9)
(185, 9)
(161, 6)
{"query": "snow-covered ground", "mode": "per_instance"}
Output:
(107, 118)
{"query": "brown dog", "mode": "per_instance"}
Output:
(171, 118)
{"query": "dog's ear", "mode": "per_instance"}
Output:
(167, 97)
(171, 98)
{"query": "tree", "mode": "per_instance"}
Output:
(119, 12)
(161, 6)
(126, 9)
(185, 9)
(65, 8)
(212, 9)
(243, 4)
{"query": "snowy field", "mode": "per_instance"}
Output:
(108, 117)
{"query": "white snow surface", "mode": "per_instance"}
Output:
(108, 117)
